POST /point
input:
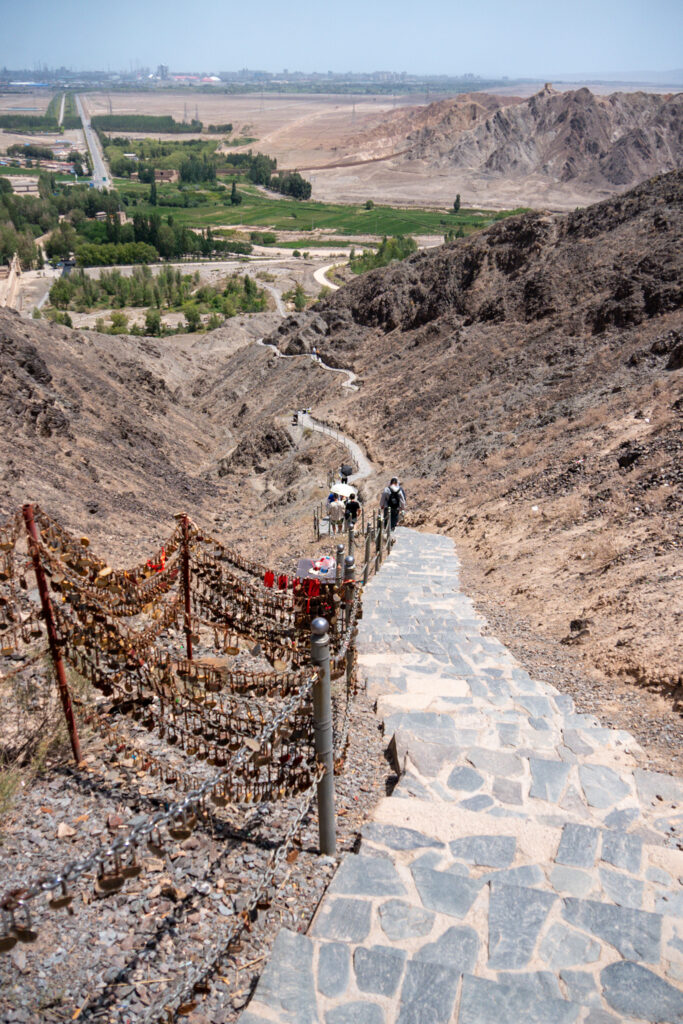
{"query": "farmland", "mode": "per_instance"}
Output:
(260, 209)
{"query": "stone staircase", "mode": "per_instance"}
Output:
(524, 870)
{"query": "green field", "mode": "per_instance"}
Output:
(33, 172)
(263, 211)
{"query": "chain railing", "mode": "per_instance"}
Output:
(256, 729)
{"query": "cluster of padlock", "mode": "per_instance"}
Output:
(253, 728)
(20, 623)
(125, 592)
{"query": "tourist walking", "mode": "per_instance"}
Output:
(392, 501)
(352, 510)
(336, 512)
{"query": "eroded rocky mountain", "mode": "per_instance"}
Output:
(527, 384)
(608, 142)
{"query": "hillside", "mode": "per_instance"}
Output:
(527, 385)
(112, 435)
(398, 130)
(578, 138)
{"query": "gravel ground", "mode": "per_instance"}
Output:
(108, 956)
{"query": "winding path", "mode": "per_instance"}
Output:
(320, 275)
(365, 467)
(351, 377)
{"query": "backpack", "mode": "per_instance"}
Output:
(394, 499)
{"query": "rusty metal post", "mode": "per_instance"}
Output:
(53, 639)
(186, 586)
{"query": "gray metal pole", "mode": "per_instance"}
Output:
(340, 564)
(349, 577)
(378, 559)
(339, 570)
(324, 746)
(351, 534)
(368, 550)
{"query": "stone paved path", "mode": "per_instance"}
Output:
(523, 871)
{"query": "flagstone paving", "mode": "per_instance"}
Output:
(523, 871)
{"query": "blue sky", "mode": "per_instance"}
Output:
(535, 38)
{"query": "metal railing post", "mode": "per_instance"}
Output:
(351, 535)
(368, 550)
(378, 544)
(53, 639)
(339, 570)
(349, 580)
(340, 564)
(324, 746)
(186, 586)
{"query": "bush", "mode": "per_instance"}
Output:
(396, 248)
(263, 237)
(153, 321)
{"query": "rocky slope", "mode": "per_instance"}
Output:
(527, 383)
(112, 435)
(448, 117)
(577, 138)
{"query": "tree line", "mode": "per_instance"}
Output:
(144, 123)
(170, 289)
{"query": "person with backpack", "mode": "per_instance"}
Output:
(352, 510)
(392, 501)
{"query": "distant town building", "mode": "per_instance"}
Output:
(163, 174)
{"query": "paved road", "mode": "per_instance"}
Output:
(365, 467)
(320, 276)
(101, 175)
(61, 109)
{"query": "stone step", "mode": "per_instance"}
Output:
(310, 979)
(574, 860)
(535, 784)
(524, 870)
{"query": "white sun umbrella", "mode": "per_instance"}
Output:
(344, 490)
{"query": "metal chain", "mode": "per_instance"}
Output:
(163, 1009)
(347, 638)
(125, 846)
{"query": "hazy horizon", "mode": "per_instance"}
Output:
(625, 40)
